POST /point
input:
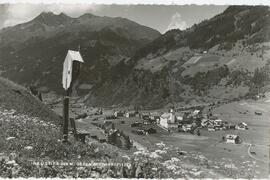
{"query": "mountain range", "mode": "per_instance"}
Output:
(33, 52)
(225, 57)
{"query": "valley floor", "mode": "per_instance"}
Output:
(207, 153)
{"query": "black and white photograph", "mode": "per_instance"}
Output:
(132, 90)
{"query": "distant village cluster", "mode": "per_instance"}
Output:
(191, 121)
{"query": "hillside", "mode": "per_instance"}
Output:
(39, 46)
(26, 140)
(19, 99)
(227, 50)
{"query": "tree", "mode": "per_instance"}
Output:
(165, 93)
(259, 77)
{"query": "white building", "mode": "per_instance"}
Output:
(218, 122)
(127, 114)
(232, 139)
(168, 121)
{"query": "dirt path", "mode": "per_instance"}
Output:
(253, 157)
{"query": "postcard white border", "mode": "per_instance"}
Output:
(132, 2)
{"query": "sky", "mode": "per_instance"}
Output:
(159, 17)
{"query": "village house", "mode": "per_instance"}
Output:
(135, 124)
(168, 121)
(232, 139)
(186, 127)
(179, 118)
(119, 114)
(217, 122)
(258, 113)
(154, 117)
(241, 126)
(205, 122)
(129, 114)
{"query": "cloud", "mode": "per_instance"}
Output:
(17, 14)
(3, 14)
(177, 22)
(20, 13)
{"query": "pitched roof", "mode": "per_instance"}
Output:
(75, 55)
(193, 60)
(242, 123)
(166, 115)
(231, 136)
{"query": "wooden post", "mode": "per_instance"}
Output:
(70, 75)
(73, 126)
(66, 116)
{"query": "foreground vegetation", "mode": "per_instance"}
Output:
(24, 140)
